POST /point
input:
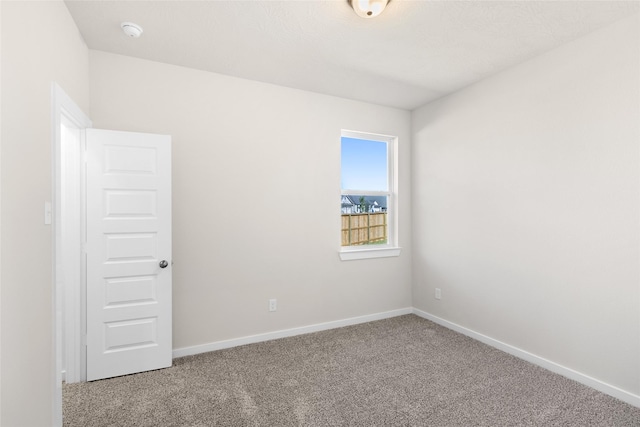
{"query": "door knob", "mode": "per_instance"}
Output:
(163, 263)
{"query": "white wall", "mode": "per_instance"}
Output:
(40, 44)
(0, 217)
(526, 206)
(256, 190)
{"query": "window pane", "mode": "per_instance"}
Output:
(364, 220)
(364, 165)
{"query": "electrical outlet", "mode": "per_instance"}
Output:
(273, 304)
(438, 293)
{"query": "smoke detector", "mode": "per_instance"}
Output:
(131, 29)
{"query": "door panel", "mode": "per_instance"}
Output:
(128, 234)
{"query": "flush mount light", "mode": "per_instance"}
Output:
(368, 8)
(131, 29)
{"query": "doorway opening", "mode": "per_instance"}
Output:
(68, 125)
(112, 193)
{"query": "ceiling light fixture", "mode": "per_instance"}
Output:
(368, 8)
(131, 29)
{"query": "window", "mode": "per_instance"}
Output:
(368, 200)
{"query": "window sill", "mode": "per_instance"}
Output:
(353, 254)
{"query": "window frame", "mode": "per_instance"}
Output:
(391, 248)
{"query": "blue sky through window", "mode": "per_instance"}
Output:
(364, 165)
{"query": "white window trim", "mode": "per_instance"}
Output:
(392, 249)
(349, 254)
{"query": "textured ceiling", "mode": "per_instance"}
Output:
(416, 51)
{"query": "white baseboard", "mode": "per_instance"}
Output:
(251, 339)
(603, 387)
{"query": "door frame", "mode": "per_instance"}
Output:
(65, 110)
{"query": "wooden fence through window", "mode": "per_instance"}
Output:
(364, 229)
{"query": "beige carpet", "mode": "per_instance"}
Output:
(404, 371)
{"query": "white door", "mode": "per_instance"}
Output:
(128, 253)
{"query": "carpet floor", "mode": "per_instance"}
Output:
(404, 371)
